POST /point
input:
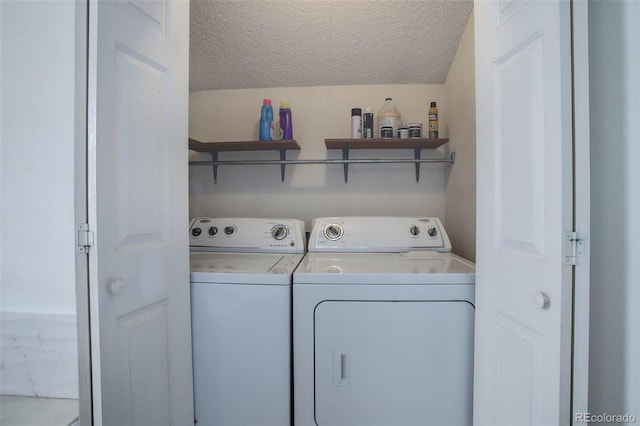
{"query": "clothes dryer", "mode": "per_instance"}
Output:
(241, 274)
(383, 325)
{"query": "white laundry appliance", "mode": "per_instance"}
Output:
(241, 275)
(383, 319)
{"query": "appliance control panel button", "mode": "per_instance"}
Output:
(433, 231)
(196, 232)
(229, 230)
(414, 230)
(333, 232)
(213, 230)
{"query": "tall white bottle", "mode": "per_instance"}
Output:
(389, 116)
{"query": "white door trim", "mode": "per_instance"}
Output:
(582, 207)
(85, 414)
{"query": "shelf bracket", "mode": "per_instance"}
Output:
(283, 157)
(345, 166)
(416, 156)
(214, 159)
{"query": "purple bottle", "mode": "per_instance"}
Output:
(285, 120)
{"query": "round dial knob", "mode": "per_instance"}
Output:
(333, 232)
(228, 230)
(432, 232)
(279, 232)
(414, 230)
(213, 230)
(196, 231)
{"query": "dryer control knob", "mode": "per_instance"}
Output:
(333, 232)
(432, 231)
(196, 231)
(279, 232)
(228, 230)
(213, 230)
(414, 230)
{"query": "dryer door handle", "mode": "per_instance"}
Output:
(341, 367)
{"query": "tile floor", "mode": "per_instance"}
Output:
(27, 411)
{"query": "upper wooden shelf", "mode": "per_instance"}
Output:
(345, 144)
(378, 143)
(243, 145)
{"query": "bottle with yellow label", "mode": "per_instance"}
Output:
(433, 121)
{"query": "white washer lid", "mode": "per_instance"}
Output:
(384, 268)
(243, 268)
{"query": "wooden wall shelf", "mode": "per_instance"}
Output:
(345, 145)
(289, 144)
(215, 147)
(378, 143)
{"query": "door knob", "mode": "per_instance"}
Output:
(541, 300)
(117, 286)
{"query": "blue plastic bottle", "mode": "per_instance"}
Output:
(266, 120)
(285, 120)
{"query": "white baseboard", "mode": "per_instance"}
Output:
(39, 354)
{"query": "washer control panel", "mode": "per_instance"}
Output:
(387, 234)
(247, 235)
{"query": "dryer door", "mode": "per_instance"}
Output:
(393, 363)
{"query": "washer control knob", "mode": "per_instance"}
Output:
(279, 232)
(228, 230)
(433, 231)
(213, 230)
(414, 230)
(196, 231)
(333, 232)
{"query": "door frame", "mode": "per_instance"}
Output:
(581, 219)
(582, 207)
(85, 395)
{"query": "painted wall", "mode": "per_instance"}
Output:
(37, 271)
(460, 196)
(614, 56)
(313, 190)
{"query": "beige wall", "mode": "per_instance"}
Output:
(313, 190)
(309, 191)
(460, 183)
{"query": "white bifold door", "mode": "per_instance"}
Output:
(526, 250)
(137, 202)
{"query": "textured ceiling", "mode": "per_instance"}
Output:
(239, 44)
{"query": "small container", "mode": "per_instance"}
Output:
(386, 132)
(415, 130)
(367, 123)
(403, 133)
(356, 123)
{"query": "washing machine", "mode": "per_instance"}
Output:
(383, 317)
(241, 275)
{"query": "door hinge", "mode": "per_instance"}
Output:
(84, 238)
(573, 248)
